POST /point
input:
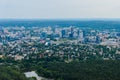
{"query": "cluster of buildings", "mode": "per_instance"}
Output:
(18, 42)
(9, 34)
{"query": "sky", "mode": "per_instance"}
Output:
(59, 9)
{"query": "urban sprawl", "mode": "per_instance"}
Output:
(62, 43)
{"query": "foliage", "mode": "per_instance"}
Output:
(11, 73)
(84, 70)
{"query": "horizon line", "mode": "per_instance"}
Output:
(59, 18)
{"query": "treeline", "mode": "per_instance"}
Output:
(84, 70)
(59, 70)
(11, 73)
(8, 72)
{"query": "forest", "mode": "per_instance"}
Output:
(88, 70)
(60, 70)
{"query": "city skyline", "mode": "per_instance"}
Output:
(52, 9)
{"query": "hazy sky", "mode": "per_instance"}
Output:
(59, 9)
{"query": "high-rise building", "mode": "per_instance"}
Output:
(81, 34)
(63, 33)
(84, 34)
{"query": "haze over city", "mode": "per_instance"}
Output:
(55, 9)
(59, 39)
